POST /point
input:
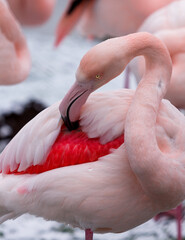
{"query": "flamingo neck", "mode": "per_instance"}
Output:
(157, 59)
(140, 133)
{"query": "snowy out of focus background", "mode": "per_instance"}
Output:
(53, 69)
(52, 73)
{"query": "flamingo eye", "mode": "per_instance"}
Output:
(98, 76)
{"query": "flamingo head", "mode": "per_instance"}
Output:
(70, 18)
(100, 65)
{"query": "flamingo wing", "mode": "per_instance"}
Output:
(44, 144)
(33, 142)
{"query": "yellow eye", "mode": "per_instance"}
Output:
(98, 76)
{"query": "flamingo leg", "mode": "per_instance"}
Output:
(179, 222)
(88, 234)
(127, 77)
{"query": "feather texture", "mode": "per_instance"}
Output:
(33, 142)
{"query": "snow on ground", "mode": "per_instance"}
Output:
(29, 228)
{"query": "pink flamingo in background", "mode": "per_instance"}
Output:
(14, 53)
(102, 18)
(174, 40)
(87, 185)
(32, 12)
(168, 24)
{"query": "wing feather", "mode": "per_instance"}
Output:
(108, 107)
(33, 142)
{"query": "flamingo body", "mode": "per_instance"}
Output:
(93, 195)
(118, 19)
(168, 17)
(82, 192)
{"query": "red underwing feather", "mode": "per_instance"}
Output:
(71, 148)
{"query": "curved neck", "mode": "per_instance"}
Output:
(152, 86)
(158, 67)
(140, 132)
(157, 59)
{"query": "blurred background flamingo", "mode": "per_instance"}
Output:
(32, 12)
(103, 18)
(15, 65)
(14, 54)
(168, 24)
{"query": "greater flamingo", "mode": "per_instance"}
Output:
(125, 186)
(103, 18)
(168, 24)
(14, 53)
(32, 12)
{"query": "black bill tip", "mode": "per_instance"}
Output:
(73, 6)
(70, 125)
